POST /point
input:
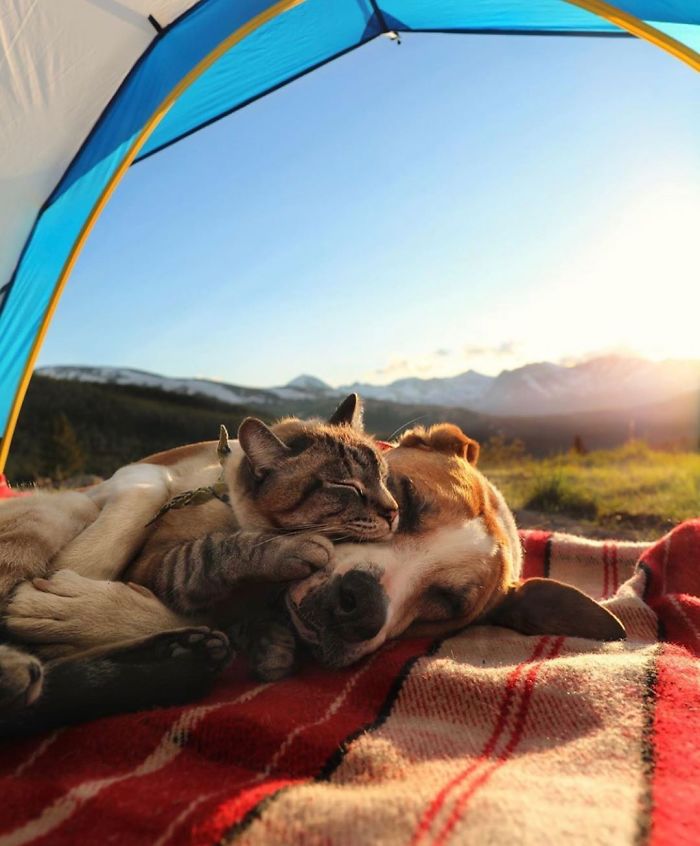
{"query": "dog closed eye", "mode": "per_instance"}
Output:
(412, 506)
(441, 602)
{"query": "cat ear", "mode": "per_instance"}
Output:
(263, 448)
(348, 413)
(545, 606)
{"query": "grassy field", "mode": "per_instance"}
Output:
(634, 490)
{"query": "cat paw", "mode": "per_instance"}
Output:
(297, 557)
(201, 643)
(272, 654)
(21, 679)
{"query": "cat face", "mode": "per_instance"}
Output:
(321, 477)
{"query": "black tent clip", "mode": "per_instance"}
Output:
(154, 23)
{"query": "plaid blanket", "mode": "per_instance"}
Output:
(485, 737)
(5, 490)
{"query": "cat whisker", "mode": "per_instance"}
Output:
(317, 529)
(343, 538)
(404, 425)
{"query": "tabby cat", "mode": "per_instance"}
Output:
(291, 487)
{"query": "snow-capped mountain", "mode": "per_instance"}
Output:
(308, 383)
(608, 382)
(542, 388)
(304, 387)
(465, 390)
(223, 391)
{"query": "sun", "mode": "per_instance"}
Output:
(636, 286)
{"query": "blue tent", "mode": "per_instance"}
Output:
(87, 89)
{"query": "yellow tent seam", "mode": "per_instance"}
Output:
(641, 29)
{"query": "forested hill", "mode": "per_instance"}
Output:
(71, 427)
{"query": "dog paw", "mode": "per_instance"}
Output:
(201, 643)
(47, 614)
(272, 652)
(69, 613)
(21, 679)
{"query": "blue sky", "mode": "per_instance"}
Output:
(452, 202)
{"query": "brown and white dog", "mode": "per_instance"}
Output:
(454, 560)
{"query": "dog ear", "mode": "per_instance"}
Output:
(545, 606)
(263, 448)
(443, 437)
(348, 413)
(446, 437)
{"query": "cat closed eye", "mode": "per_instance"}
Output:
(352, 486)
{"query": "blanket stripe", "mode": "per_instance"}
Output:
(537, 547)
(676, 798)
(233, 807)
(648, 752)
(502, 715)
(516, 734)
(487, 736)
(338, 754)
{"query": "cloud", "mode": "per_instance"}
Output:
(602, 352)
(444, 361)
(394, 367)
(399, 367)
(505, 348)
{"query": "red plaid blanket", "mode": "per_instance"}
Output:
(485, 737)
(5, 490)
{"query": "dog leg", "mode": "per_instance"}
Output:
(69, 613)
(129, 500)
(34, 528)
(170, 668)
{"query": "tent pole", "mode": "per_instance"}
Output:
(640, 29)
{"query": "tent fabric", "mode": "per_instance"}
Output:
(87, 88)
(60, 64)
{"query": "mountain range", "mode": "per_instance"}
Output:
(534, 390)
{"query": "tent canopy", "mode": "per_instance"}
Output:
(88, 87)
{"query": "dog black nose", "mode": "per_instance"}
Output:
(358, 606)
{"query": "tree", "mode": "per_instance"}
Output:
(578, 446)
(67, 457)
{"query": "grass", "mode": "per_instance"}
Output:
(631, 485)
(554, 493)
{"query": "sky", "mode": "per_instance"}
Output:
(421, 209)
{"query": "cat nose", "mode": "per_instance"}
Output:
(392, 518)
(359, 606)
(389, 510)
